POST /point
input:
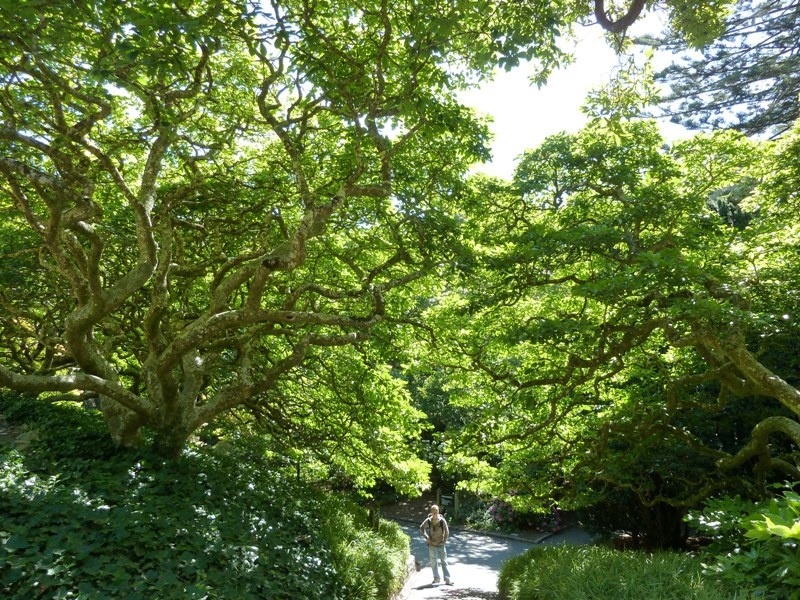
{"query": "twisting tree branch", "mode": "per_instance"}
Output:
(621, 24)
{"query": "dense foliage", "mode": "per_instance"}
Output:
(84, 519)
(210, 206)
(754, 544)
(627, 319)
(222, 217)
(588, 572)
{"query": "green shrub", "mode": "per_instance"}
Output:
(755, 544)
(371, 563)
(589, 572)
(83, 520)
(501, 515)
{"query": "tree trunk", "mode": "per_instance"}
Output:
(662, 527)
(170, 442)
(124, 425)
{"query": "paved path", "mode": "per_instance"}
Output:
(474, 560)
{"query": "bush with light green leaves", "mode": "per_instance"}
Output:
(755, 544)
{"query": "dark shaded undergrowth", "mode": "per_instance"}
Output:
(82, 519)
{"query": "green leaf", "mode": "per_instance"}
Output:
(16, 542)
(783, 531)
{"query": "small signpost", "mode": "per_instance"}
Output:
(449, 501)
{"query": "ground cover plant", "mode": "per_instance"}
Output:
(589, 572)
(82, 519)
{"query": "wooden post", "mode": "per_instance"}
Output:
(374, 514)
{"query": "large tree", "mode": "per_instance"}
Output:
(210, 205)
(627, 319)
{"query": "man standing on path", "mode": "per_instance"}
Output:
(436, 532)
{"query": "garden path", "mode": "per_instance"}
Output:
(474, 558)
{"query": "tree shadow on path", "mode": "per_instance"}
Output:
(456, 593)
(470, 594)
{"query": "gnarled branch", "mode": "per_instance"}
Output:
(621, 24)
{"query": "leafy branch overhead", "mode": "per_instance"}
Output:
(204, 199)
(629, 301)
(695, 22)
(209, 208)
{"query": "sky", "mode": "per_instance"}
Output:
(524, 115)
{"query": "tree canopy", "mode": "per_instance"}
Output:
(208, 206)
(626, 318)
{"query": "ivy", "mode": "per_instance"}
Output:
(212, 523)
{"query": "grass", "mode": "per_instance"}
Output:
(591, 572)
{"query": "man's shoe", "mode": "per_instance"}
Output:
(448, 581)
(435, 581)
